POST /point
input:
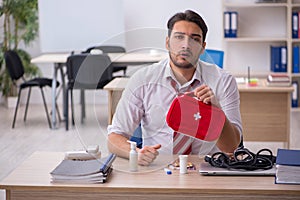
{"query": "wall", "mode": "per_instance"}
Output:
(144, 26)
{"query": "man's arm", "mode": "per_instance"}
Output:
(118, 144)
(229, 139)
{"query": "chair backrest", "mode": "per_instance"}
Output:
(213, 56)
(87, 71)
(107, 49)
(14, 64)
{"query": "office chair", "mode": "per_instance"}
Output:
(15, 69)
(111, 49)
(86, 71)
(213, 56)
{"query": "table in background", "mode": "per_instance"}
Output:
(265, 113)
(118, 59)
(265, 110)
(32, 180)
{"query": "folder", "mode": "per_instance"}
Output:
(226, 24)
(288, 166)
(275, 58)
(295, 94)
(233, 23)
(283, 56)
(298, 24)
(295, 25)
(295, 59)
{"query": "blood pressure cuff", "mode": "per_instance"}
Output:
(192, 117)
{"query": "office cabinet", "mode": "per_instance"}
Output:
(260, 26)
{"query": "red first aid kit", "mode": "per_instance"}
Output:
(192, 117)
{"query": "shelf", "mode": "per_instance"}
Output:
(255, 39)
(254, 5)
(295, 74)
(295, 5)
(295, 109)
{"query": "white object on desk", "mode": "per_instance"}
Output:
(183, 163)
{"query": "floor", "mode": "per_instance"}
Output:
(34, 135)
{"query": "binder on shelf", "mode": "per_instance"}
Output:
(275, 58)
(233, 23)
(295, 95)
(295, 25)
(298, 24)
(278, 59)
(230, 24)
(226, 24)
(283, 54)
(295, 59)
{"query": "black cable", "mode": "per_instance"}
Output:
(243, 159)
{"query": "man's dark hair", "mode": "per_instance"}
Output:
(189, 16)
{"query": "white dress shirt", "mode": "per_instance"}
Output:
(150, 92)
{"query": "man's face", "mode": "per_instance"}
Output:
(185, 44)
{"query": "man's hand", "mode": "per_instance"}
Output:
(148, 154)
(205, 94)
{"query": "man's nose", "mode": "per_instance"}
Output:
(186, 43)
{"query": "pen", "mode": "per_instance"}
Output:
(249, 74)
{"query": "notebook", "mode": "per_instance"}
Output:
(207, 169)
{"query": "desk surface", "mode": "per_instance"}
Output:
(119, 84)
(34, 175)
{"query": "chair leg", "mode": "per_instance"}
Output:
(82, 101)
(66, 110)
(46, 109)
(72, 107)
(16, 109)
(26, 109)
(58, 113)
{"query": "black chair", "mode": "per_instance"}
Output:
(15, 69)
(86, 71)
(111, 49)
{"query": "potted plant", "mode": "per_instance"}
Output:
(20, 24)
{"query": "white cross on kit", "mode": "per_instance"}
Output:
(197, 116)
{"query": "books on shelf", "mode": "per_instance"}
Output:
(287, 166)
(83, 171)
(230, 24)
(276, 79)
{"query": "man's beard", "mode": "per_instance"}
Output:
(181, 65)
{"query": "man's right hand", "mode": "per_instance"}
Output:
(148, 154)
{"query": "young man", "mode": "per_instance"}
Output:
(151, 90)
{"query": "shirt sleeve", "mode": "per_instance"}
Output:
(129, 110)
(230, 100)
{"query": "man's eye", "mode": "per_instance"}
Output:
(179, 36)
(196, 39)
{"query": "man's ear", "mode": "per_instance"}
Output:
(168, 43)
(203, 48)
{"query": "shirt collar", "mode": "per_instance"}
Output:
(170, 75)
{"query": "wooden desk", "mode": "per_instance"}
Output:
(31, 180)
(118, 59)
(265, 110)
